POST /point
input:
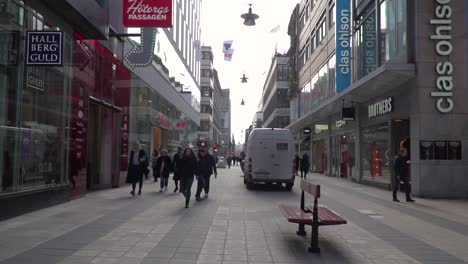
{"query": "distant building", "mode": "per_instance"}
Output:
(275, 93)
(226, 143)
(257, 122)
(211, 119)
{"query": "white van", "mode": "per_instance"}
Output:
(269, 157)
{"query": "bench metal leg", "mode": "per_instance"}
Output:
(301, 231)
(314, 248)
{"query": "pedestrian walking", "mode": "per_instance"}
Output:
(154, 157)
(206, 167)
(176, 165)
(305, 165)
(229, 161)
(401, 167)
(187, 171)
(137, 163)
(297, 162)
(163, 169)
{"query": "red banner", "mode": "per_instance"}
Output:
(147, 13)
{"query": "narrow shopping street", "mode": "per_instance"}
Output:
(235, 225)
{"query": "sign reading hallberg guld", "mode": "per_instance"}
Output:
(44, 48)
(147, 13)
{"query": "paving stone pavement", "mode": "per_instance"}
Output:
(236, 226)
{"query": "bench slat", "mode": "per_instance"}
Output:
(295, 214)
(310, 188)
(327, 216)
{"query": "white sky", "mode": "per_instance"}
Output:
(253, 49)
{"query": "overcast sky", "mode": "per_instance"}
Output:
(253, 49)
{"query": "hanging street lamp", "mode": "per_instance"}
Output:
(249, 18)
(243, 79)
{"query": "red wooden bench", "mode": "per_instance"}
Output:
(321, 215)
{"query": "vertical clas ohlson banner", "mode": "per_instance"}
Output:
(343, 45)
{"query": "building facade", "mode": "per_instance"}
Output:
(66, 129)
(44, 107)
(375, 76)
(227, 147)
(211, 103)
(275, 93)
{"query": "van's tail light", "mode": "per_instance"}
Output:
(249, 168)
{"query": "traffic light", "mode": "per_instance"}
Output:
(215, 147)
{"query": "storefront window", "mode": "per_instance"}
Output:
(332, 77)
(365, 49)
(294, 107)
(376, 153)
(305, 100)
(155, 122)
(393, 30)
(34, 105)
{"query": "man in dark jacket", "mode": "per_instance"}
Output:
(206, 166)
(297, 163)
(401, 168)
(305, 165)
(136, 165)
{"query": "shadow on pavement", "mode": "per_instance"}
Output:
(265, 187)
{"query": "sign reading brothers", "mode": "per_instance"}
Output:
(44, 48)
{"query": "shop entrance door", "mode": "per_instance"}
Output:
(103, 147)
(156, 139)
(400, 135)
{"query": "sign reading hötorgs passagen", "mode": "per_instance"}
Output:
(44, 48)
(147, 13)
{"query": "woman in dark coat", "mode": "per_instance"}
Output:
(188, 169)
(163, 169)
(176, 164)
(136, 164)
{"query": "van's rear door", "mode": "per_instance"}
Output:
(262, 159)
(281, 162)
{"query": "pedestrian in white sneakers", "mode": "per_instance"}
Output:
(163, 169)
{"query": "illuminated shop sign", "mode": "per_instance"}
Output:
(343, 45)
(380, 108)
(44, 48)
(320, 128)
(147, 13)
(444, 68)
(142, 55)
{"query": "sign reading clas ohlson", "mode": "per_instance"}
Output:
(343, 45)
(44, 48)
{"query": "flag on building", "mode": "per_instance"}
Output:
(228, 55)
(227, 44)
(275, 29)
